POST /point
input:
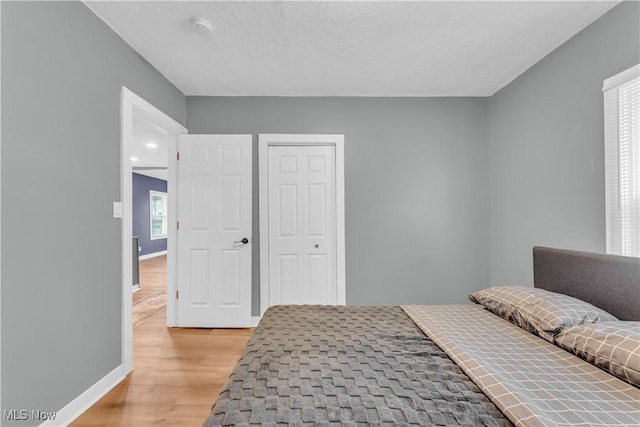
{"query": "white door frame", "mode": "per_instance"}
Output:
(264, 142)
(131, 102)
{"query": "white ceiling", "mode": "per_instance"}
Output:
(153, 173)
(153, 158)
(357, 48)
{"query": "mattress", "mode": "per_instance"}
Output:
(533, 382)
(349, 366)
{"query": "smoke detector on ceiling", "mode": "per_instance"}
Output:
(202, 25)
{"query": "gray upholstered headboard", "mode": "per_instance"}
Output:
(607, 281)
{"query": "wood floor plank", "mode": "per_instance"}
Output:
(153, 277)
(177, 372)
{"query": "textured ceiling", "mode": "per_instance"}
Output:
(358, 48)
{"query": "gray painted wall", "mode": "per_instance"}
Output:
(62, 69)
(547, 152)
(417, 187)
(141, 213)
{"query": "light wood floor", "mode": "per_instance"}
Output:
(153, 277)
(177, 375)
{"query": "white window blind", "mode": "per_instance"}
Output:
(622, 162)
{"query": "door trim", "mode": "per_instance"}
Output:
(131, 102)
(264, 142)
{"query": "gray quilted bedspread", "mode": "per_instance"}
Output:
(327, 365)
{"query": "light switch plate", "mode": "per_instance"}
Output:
(117, 209)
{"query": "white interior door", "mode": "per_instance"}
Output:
(214, 234)
(302, 225)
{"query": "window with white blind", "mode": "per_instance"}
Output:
(622, 161)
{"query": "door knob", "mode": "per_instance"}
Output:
(244, 241)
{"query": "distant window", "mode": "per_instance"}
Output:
(622, 162)
(158, 214)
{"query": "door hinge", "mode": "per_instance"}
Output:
(178, 156)
(178, 225)
(177, 294)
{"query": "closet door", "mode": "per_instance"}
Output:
(302, 224)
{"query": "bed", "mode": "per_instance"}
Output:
(504, 361)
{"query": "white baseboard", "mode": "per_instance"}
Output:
(153, 255)
(255, 320)
(80, 404)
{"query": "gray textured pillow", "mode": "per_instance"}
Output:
(536, 310)
(612, 346)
